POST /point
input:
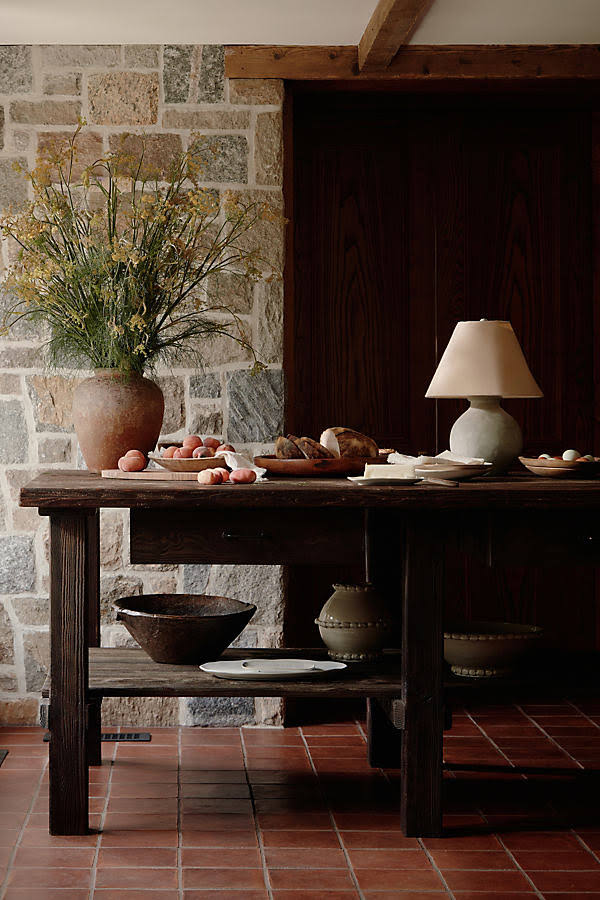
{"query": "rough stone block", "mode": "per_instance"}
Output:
(141, 56)
(36, 654)
(159, 151)
(232, 290)
(81, 55)
(20, 357)
(160, 583)
(19, 712)
(223, 157)
(220, 350)
(143, 712)
(204, 385)
(268, 148)
(111, 538)
(211, 79)
(88, 149)
(13, 187)
(261, 585)
(217, 119)
(7, 650)
(219, 711)
(45, 112)
(172, 388)
(32, 610)
(68, 83)
(21, 139)
(8, 682)
(1, 128)
(10, 384)
(206, 422)
(14, 443)
(267, 235)
(52, 400)
(256, 91)
(16, 76)
(177, 68)
(255, 405)
(123, 98)
(195, 579)
(17, 564)
(269, 340)
(20, 329)
(54, 450)
(113, 587)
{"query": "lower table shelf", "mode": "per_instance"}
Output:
(131, 673)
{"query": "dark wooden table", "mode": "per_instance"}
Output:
(289, 521)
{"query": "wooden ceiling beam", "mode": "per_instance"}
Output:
(389, 28)
(313, 63)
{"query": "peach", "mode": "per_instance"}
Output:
(223, 447)
(136, 454)
(192, 441)
(212, 442)
(224, 473)
(209, 476)
(169, 452)
(131, 464)
(242, 476)
(200, 452)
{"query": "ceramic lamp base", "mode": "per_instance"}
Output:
(487, 431)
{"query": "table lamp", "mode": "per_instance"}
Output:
(484, 362)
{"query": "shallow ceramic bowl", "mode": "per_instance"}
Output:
(487, 649)
(453, 470)
(183, 629)
(189, 465)
(315, 468)
(561, 468)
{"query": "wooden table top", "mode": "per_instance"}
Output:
(68, 489)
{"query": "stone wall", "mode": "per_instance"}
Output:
(176, 93)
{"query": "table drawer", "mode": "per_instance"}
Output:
(261, 536)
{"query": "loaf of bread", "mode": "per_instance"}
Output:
(286, 448)
(347, 442)
(314, 450)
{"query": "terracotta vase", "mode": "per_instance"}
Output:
(355, 623)
(114, 412)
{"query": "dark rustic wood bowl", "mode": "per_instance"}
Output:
(183, 629)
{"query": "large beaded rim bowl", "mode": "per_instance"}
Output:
(487, 649)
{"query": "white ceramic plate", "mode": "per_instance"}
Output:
(271, 669)
(360, 479)
(453, 471)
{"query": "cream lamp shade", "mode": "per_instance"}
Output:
(483, 359)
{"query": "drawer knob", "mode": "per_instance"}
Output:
(236, 536)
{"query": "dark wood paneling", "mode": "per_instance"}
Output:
(487, 204)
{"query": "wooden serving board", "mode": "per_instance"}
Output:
(150, 475)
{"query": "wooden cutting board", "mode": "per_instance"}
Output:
(150, 475)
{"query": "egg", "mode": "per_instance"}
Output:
(570, 455)
(544, 456)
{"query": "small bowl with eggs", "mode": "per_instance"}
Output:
(569, 464)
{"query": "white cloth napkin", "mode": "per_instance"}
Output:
(239, 461)
(409, 462)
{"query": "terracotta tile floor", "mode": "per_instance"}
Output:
(250, 814)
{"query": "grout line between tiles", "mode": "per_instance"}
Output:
(548, 736)
(36, 793)
(94, 869)
(436, 868)
(261, 847)
(332, 818)
(520, 868)
(492, 742)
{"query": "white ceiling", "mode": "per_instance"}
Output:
(290, 21)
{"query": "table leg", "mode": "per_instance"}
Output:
(69, 579)
(94, 708)
(422, 657)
